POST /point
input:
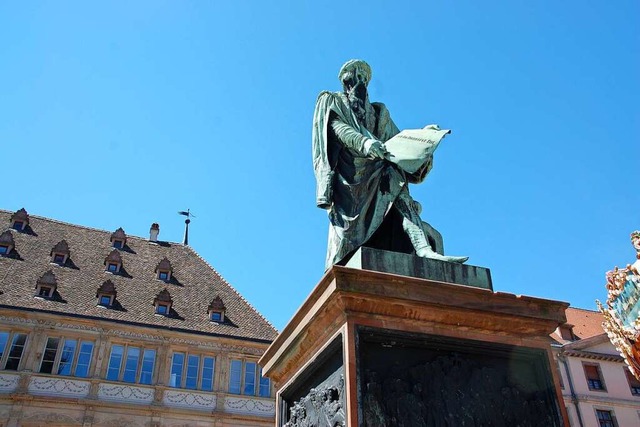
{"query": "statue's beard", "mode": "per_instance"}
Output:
(359, 103)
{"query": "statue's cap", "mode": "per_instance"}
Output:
(350, 66)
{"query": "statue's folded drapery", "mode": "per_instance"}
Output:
(358, 191)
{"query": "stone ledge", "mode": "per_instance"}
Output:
(423, 268)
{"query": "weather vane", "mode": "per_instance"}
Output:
(188, 214)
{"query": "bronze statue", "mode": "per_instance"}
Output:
(366, 194)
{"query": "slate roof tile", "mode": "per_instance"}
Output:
(194, 283)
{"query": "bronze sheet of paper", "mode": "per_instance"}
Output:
(411, 148)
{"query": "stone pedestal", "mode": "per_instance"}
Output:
(367, 347)
(410, 265)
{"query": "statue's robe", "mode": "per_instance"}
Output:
(359, 192)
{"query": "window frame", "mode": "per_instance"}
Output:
(117, 243)
(101, 296)
(560, 379)
(200, 373)
(41, 288)
(167, 274)
(257, 379)
(5, 249)
(74, 358)
(139, 363)
(610, 412)
(603, 386)
(14, 225)
(116, 266)
(634, 389)
(56, 255)
(8, 347)
(167, 308)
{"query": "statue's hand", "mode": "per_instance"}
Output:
(374, 149)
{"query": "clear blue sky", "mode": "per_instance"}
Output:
(122, 113)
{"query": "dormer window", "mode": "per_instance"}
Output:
(566, 332)
(118, 238)
(19, 220)
(6, 243)
(113, 262)
(216, 310)
(46, 285)
(163, 302)
(164, 270)
(106, 294)
(45, 291)
(60, 253)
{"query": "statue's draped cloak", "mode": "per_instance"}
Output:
(356, 190)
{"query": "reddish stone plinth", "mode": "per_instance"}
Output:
(348, 300)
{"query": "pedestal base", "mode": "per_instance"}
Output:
(367, 347)
(424, 268)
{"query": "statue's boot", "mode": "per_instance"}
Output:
(419, 240)
(412, 225)
(427, 252)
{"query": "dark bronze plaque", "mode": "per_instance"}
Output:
(316, 398)
(429, 381)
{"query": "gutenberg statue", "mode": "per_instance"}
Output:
(366, 195)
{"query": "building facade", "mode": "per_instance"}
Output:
(597, 386)
(99, 328)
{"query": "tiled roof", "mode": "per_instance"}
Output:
(585, 324)
(193, 284)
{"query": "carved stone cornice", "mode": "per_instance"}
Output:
(594, 356)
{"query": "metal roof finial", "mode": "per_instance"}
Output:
(188, 214)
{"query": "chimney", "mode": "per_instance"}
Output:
(153, 232)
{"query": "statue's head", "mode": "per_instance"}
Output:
(355, 72)
(355, 76)
(635, 241)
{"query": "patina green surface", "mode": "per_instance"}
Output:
(424, 268)
(356, 182)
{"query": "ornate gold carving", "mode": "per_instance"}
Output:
(623, 298)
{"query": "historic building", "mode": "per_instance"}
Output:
(98, 328)
(597, 386)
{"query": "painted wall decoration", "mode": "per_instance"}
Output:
(622, 309)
